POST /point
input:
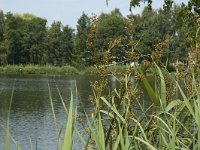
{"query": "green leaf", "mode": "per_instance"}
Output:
(69, 134)
(7, 147)
(149, 89)
(146, 143)
(54, 116)
(186, 101)
(162, 88)
(95, 136)
(101, 132)
(113, 108)
(172, 105)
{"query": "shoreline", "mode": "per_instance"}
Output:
(53, 70)
(36, 69)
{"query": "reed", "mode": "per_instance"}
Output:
(170, 123)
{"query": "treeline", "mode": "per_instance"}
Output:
(26, 39)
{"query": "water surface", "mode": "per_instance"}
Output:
(31, 120)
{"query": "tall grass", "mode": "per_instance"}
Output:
(170, 124)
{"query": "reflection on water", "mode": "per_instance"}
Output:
(31, 115)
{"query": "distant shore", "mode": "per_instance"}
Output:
(36, 69)
(55, 70)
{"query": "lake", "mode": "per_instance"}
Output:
(31, 119)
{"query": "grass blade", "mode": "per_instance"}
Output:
(69, 134)
(149, 89)
(7, 147)
(146, 143)
(54, 117)
(163, 89)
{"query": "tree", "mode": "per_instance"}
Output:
(194, 6)
(13, 36)
(60, 44)
(181, 40)
(153, 27)
(34, 41)
(83, 28)
(3, 48)
(110, 29)
(67, 44)
(25, 37)
(2, 25)
(54, 43)
(167, 3)
(145, 31)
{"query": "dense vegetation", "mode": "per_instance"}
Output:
(172, 120)
(26, 39)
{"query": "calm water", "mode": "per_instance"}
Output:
(31, 115)
(31, 120)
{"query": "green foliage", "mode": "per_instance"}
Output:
(13, 36)
(25, 39)
(171, 122)
(3, 46)
(25, 16)
(60, 44)
(2, 25)
(83, 28)
(36, 69)
(110, 28)
(67, 45)
(34, 41)
(70, 128)
(194, 5)
(135, 3)
(54, 36)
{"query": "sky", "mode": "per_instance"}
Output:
(68, 11)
